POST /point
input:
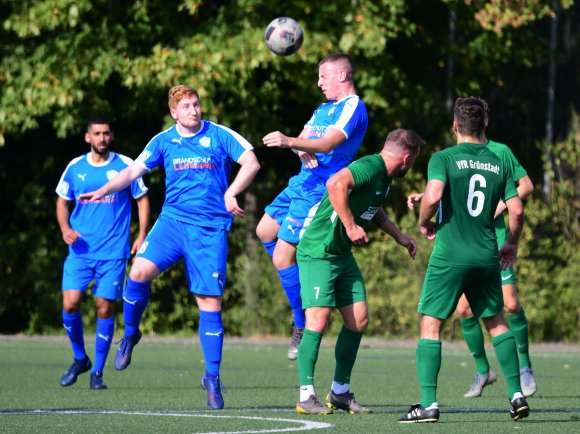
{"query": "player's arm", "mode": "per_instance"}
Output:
(508, 252)
(307, 158)
(118, 183)
(414, 198)
(338, 187)
(69, 235)
(249, 167)
(144, 213)
(331, 139)
(525, 188)
(382, 221)
(429, 203)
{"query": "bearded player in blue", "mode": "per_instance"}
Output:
(329, 141)
(197, 156)
(98, 236)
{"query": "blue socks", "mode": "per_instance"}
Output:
(103, 340)
(291, 283)
(73, 324)
(135, 301)
(269, 246)
(211, 337)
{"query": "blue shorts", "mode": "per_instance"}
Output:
(109, 276)
(204, 251)
(293, 206)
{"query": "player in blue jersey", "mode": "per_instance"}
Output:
(197, 157)
(329, 141)
(98, 236)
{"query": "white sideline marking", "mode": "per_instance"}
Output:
(303, 424)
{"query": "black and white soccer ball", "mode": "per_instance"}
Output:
(284, 36)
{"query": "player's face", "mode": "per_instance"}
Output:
(329, 80)
(99, 136)
(188, 113)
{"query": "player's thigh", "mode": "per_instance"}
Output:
(317, 279)
(164, 245)
(483, 291)
(304, 203)
(267, 229)
(206, 260)
(77, 273)
(110, 279)
(463, 309)
(349, 287)
(442, 288)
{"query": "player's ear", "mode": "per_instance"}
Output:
(454, 128)
(87, 137)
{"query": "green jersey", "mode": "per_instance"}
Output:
(475, 181)
(506, 155)
(325, 236)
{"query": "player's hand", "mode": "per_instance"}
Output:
(275, 139)
(92, 196)
(136, 246)
(428, 230)
(232, 205)
(410, 244)
(70, 236)
(507, 255)
(357, 235)
(309, 160)
(414, 198)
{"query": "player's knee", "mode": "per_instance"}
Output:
(71, 307)
(282, 261)
(511, 307)
(464, 312)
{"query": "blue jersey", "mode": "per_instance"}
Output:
(349, 116)
(104, 225)
(197, 172)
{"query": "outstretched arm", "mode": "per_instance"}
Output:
(248, 170)
(331, 139)
(382, 221)
(429, 202)
(118, 183)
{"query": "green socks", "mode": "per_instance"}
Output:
(307, 356)
(507, 356)
(428, 365)
(345, 351)
(473, 336)
(519, 326)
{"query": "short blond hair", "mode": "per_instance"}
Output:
(177, 93)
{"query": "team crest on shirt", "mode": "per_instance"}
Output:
(111, 174)
(331, 111)
(205, 142)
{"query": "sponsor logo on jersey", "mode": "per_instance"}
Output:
(111, 174)
(192, 163)
(317, 131)
(82, 176)
(464, 164)
(370, 212)
(205, 142)
(107, 199)
(177, 140)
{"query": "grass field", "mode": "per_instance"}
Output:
(160, 393)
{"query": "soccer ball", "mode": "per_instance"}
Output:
(284, 36)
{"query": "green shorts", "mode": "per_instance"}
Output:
(443, 286)
(508, 276)
(334, 282)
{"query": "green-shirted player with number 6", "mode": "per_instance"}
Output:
(465, 184)
(329, 275)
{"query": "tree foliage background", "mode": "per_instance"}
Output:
(62, 61)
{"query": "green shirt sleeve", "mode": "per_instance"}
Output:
(436, 168)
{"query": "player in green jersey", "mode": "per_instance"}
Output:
(329, 275)
(518, 324)
(465, 184)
